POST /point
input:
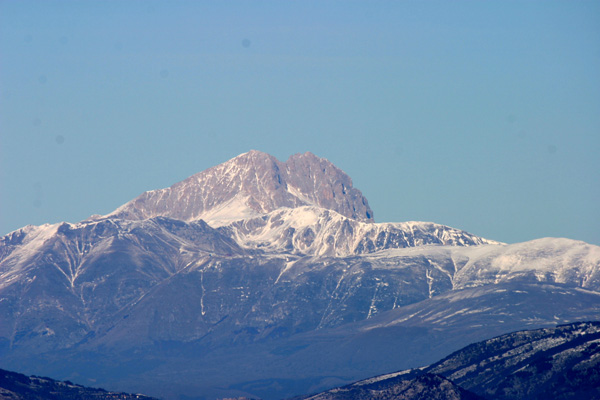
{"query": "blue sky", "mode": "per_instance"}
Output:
(484, 116)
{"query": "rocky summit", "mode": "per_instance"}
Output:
(251, 184)
(260, 278)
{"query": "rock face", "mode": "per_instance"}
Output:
(257, 267)
(251, 184)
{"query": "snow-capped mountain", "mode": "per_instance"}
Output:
(254, 255)
(303, 206)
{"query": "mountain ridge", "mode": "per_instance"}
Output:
(276, 272)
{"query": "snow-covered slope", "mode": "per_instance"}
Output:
(70, 248)
(320, 232)
(548, 260)
(59, 283)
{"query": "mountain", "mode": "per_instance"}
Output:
(558, 363)
(252, 184)
(258, 267)
(62, 282)
(14, 386)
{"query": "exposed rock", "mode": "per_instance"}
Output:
(251, 184)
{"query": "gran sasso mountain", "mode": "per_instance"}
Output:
(550, 363)
(275, 273)
(252, 184)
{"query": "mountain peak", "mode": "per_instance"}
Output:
(251, 184)
(253, 156)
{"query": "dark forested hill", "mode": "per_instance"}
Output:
(14, 386)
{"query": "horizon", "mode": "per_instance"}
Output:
(479, 116)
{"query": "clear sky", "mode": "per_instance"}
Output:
(484, 116)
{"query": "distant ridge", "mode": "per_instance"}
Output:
(424, 386)
(551, 363)
(15, 386)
